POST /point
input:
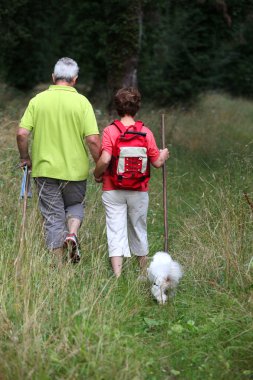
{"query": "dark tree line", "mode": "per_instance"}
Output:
(172, 49)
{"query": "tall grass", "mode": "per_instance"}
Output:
(81, 323)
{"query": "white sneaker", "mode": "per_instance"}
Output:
(72, 245)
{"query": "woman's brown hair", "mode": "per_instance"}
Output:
(127, 101)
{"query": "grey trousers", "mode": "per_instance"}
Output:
(58, 201)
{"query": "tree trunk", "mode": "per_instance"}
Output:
(123, 45)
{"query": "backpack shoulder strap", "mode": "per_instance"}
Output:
(138, 125)
(126, 130)
(137, 129)
(119, 125)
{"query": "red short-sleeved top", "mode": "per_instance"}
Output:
(110, 134)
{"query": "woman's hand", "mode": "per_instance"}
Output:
(98, 179)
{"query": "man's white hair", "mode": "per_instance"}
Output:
(66, 69)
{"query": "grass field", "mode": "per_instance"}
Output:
(82, 323)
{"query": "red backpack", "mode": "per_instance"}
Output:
(130, 167)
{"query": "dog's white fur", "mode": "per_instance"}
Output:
(164, 273)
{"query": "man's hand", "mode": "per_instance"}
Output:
(26, 161)
(22, 141)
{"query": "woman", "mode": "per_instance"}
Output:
(126, 207)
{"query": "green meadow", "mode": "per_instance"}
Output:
(80, 322)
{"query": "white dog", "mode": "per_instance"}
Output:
(164, 273)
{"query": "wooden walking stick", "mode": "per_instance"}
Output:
(250, 203)
(165, 211)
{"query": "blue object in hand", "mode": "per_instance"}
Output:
(26, 177)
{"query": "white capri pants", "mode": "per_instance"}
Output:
(126, 222)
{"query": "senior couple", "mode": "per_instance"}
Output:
(64, 129)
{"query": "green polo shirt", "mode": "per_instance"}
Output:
(60, 118)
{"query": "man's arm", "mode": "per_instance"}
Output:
(22, 142)
(94, 145)
(102, 165)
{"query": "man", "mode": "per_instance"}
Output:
(63, 125)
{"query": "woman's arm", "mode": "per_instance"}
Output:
(102, 165)
(164, 155)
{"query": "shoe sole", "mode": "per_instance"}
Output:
(73, 254)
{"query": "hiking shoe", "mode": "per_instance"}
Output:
(72, 245)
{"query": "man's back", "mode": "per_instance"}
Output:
(60, 118)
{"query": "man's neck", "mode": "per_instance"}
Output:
(63, 83)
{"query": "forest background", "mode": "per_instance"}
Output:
(173, 49)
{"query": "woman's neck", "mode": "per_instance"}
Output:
(127, 120)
